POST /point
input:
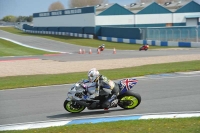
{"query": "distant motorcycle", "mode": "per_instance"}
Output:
(101, 48)
(144, 47)
(76, 98)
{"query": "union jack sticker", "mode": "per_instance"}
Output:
(128, 83)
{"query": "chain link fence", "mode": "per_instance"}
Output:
(183, 34)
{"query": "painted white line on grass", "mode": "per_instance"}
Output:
(193, 72)
(32, 125)
(44, 124)
(159, 77)
(21, 44)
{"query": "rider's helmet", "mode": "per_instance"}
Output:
(93, 74)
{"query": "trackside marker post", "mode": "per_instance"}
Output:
(83, 52)
(80, 51)
(90, 52)
(114, 51)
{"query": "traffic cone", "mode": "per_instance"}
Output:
(98, 51)
(80, 51)
(90, 52)
(114, 51)
(83, 52)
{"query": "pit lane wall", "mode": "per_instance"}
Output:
(151, 42)
(90, 36)
(61, 33)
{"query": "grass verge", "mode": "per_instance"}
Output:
(180, 125)
(8, 48)
(53, 79)
(82, 41)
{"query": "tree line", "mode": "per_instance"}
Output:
(11, 18)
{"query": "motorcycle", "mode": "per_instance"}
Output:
(76, 100)
(144, 47)
(101, 48)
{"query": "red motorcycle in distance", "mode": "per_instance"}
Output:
(101, 48)
(144, 47)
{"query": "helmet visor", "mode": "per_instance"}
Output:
(90, 77)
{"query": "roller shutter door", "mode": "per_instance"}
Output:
(191, 21)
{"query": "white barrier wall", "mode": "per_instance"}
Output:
(115, 20)
(180, 17)
(153, 18)
(66, 18)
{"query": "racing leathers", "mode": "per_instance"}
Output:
(104, 82)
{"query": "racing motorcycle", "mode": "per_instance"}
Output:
(144, 47)
(76, 98)
(101, 48)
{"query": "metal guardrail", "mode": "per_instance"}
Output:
(184, 34)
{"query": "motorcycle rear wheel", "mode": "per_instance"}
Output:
(129, 100)
(73, 107)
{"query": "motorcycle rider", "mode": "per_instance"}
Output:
(102, 46)
(146, 45)
(103, 82)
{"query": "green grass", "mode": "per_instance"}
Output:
(82, 41)
(180, 125)
(8, 48)
(53, 79)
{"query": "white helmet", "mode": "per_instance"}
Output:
(92, 74)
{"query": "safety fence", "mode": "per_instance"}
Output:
(58, 33)
(178, 34)
(151, 42)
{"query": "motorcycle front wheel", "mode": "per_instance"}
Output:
(73, 107)
(129, 100)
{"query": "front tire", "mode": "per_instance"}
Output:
(73, 107)
(129, 100)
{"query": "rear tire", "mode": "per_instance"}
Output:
(73, 107)
(129, 100)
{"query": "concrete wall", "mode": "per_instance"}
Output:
(79, 20)
(78, 17)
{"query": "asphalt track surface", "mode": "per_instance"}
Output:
(160, 93)
(72, 50)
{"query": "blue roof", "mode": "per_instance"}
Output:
(154, 8)
(115, 9)
(189, 7)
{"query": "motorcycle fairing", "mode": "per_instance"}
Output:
(127, 84)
